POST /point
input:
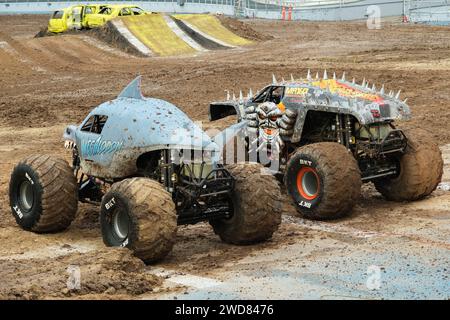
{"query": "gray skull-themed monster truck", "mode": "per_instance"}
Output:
(327, 136)
(151, 168)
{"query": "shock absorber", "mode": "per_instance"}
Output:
(348, 131)
(165, 167)
(339, 129)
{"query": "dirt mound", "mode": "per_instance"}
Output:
(112, 271)
(243, 30)
(43, 32)
(107, 33)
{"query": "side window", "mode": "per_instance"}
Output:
(125, 12)
(262, 96)
(137, 11)
(94, 124)
(89, 10)
(88, 124)
(105, 11)
(276, 94)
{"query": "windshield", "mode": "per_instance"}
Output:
(58, 14)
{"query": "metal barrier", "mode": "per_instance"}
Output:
(428, 11)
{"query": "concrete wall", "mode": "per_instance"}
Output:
(433, 15)
(49, 6)
(334, 11)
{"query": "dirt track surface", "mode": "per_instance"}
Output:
(47, 83)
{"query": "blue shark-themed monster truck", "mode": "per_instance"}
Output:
(151, 168)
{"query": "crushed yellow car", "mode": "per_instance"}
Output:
(113, 11)
(59, 22)
(73, 17)
(90, 10)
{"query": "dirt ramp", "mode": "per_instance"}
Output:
(205, 41)
(163, 35)
(154, 32)
(209, 26)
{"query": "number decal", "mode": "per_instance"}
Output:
(305, 204)
(18, 211)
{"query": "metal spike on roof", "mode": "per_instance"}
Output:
(292, 78)
(241, 96)
(343, 76)
(334, 75)
(274, 80)
(317, 75)
(228, 95)
(397, 96)
(308, 76)
(325, 75)
(382, 89)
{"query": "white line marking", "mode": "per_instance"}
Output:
(207, 36)
(180, 33)
(187, 280)
(321, 226)
(135, 42)
(445, 186)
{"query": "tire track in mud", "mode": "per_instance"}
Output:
(67, 51)
(76, 49)
(13, 52)
(105, 47)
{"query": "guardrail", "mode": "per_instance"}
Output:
(428, 11)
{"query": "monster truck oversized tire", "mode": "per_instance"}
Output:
(257, 204)
(139, 214)
(43, 194)
(421, 168)
(324, 180)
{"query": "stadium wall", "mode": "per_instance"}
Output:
(319, 11)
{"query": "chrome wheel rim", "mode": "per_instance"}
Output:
(26, 195)
(310, 184)
(121, 224)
